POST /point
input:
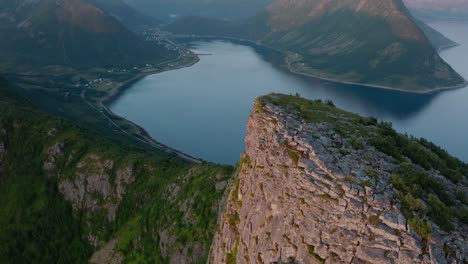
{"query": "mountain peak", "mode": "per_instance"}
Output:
(74, 13)
(86, 16)
(287, 14)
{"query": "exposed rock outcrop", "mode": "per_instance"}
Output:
(304, 194)
(95, 185)
(108, 254)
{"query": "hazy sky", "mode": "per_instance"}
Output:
(454, 5)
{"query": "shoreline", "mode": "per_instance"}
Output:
(144, 136)
(127, 84)
(376, 86)
(297, 72)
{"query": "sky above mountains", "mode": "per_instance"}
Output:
(438, 5)
(239, 9)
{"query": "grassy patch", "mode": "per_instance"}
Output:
(293, 155)
(356, 143)
(423, 228)
(372, 173)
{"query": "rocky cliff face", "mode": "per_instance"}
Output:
(95, 185)
(311, 189)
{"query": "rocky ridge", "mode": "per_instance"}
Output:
(309, 193)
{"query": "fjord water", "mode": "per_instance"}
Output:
(203, 110)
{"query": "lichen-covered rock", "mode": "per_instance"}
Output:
(54, 152)
(95, 184)
(302, 196)
(108, 254)
(92, 188)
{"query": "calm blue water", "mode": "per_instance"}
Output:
(203, 110)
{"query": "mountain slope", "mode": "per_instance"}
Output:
(370, 42)
(70, 32)
(438, 40)
(320, 185)
(375, 43)
(124, 13)
(68, 195)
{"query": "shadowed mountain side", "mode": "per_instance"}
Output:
(438, 40)
(70, 32)
(124, 13)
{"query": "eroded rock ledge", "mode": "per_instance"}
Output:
(316, 191)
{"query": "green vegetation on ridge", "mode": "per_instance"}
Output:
(423, 196)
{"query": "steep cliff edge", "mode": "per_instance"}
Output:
(319, 185)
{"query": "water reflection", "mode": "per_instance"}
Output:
(375, 102)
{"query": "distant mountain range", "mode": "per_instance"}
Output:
(220, 9)
(124, 13)
(70, 32)
(375, 43)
